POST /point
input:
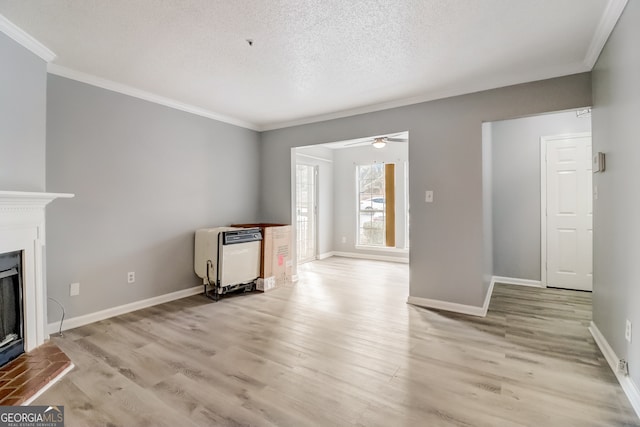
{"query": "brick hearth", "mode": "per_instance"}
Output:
(24, 376)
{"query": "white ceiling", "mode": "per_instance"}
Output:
(314, 59)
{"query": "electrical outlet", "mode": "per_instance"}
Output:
(627, 331)
(131, 277)
(428, 196)
(623, 367)
(74, 289)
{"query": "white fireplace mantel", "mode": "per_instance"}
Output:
(29, 198)
(22, 223)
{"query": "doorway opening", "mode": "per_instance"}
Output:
(351, 199)
(537, 200)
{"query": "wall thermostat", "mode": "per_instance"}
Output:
(598, 162)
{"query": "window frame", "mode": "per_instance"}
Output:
(360, 211)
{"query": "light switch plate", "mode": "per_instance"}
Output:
(74, 289)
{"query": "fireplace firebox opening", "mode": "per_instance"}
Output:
(11, 309)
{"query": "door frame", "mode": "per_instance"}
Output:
(543, 197)
(316, 209)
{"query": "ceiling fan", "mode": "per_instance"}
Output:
(380, 141)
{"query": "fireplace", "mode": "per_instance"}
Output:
(22, 243)
(11, 312)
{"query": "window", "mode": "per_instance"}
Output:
(376, 204)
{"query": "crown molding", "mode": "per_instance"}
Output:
(456, 90)
(18, 35)
(606, 25)
(92, 80)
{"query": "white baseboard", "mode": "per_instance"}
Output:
(48, 385)
(75, 322)
(487, 298)
(447, 306)
(516, 281)
(629, 387)
(325, 255)
(455, 307)
(371, 257)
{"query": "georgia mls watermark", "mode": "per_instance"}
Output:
(31, 416)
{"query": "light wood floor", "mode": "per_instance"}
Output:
(342, 348)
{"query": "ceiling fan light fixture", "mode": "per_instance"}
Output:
(379, 143)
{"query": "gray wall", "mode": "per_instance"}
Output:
(516, 189)
(616, 248)
(445, 152)
(23, 92)
(487, 205)
(145, 177)
(325, 193)
(346, 197)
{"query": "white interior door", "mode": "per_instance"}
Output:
(569, 212)
(306, 209)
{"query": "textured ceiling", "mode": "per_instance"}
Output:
(312, 58)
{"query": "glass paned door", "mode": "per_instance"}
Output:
(306, 178)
